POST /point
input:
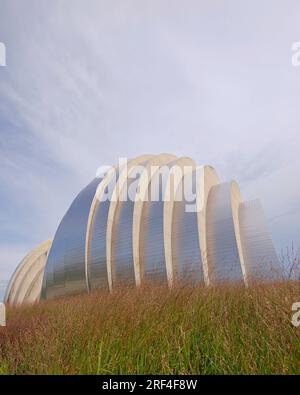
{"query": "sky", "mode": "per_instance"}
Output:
(88, 82)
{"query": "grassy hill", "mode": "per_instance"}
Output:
(227, 330)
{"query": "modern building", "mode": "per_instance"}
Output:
(158, 219)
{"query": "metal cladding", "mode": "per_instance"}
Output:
(257, 244)
(186, 257)
(139, 224)
(65, 268)
(223, 252)
(26, 282)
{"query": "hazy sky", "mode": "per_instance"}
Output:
(89, 81)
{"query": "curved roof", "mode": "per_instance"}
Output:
(26, 283)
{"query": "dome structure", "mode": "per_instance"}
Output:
(163, 219)
(26, 283)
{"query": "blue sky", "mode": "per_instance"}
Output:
(87, 82)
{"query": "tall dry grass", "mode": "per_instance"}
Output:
(225, 330)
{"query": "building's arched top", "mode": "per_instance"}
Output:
(26, 283)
